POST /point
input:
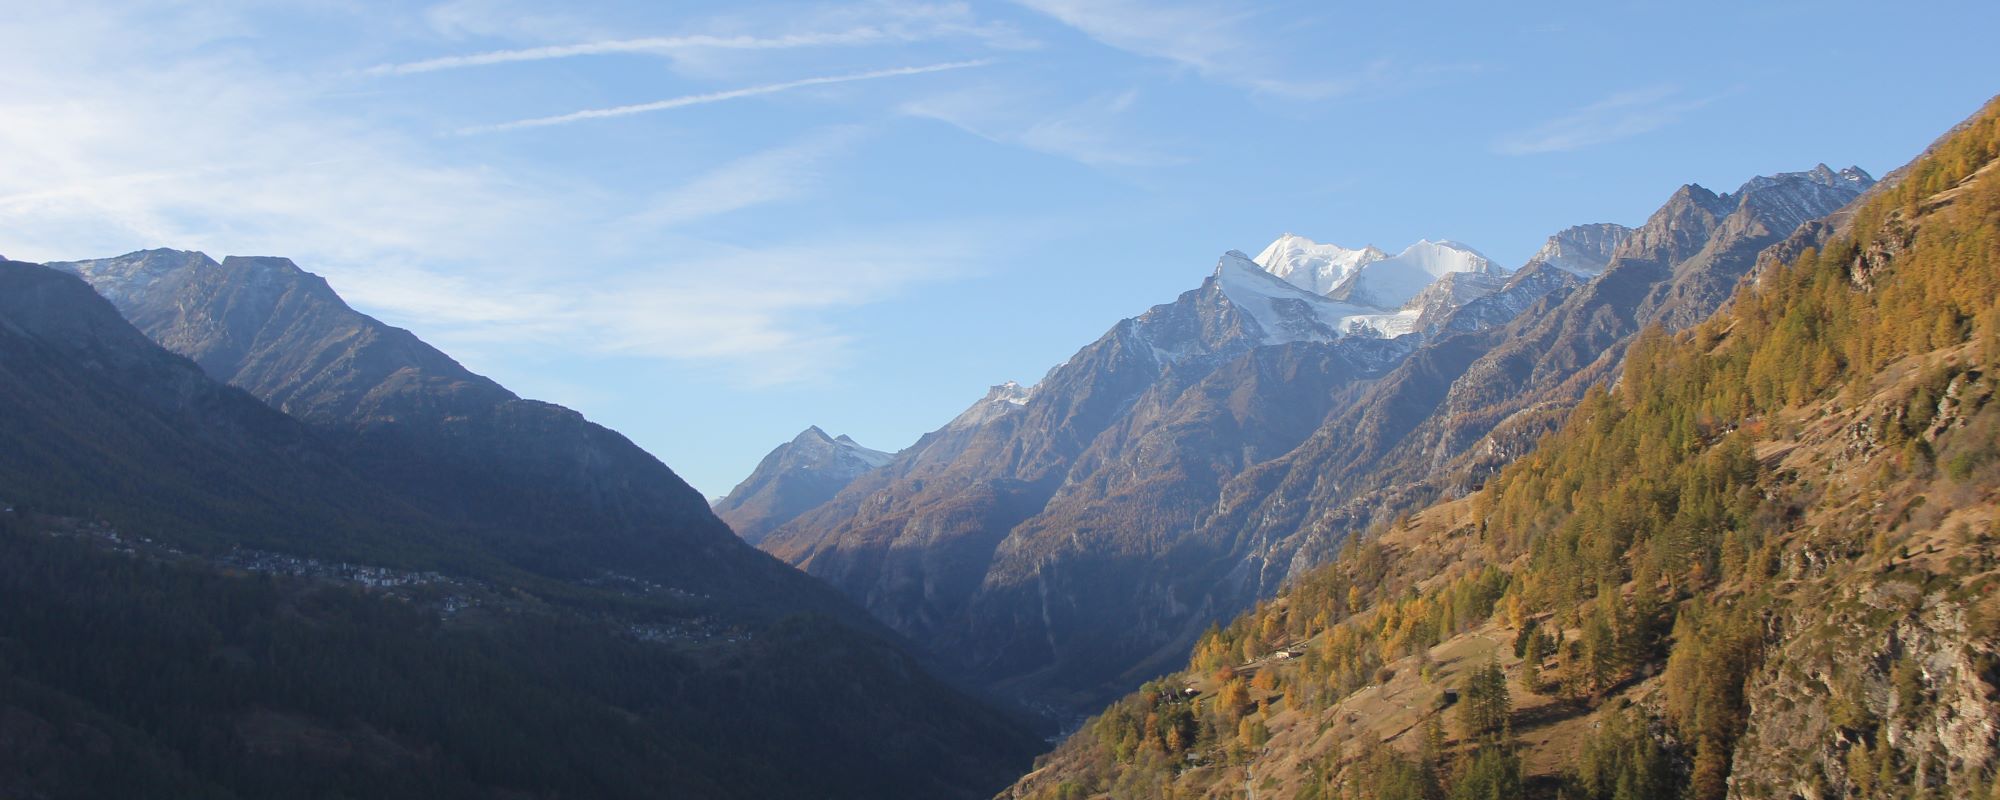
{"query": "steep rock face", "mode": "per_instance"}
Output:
(793, 479)
(1885, 671)
(1106, 581)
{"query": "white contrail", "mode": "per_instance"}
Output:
(716, 97)
(652, 44)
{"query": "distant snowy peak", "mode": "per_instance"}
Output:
(1369, 276)
(1391, 283)
(1313, 266)
(1284, 313)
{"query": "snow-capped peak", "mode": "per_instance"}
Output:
(1392, 282)
(1313, 266)
(1369, 276)
(1282, 311)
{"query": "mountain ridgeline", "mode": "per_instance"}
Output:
(1061, 543)
(531, 483)
(369, 572)
(1763, 563)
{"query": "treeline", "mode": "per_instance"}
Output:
(1644, 536)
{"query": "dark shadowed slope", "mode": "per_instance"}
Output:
(544, 488)
(201, 592)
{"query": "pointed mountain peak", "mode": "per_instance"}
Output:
(812, 434)
(1696, 194)
(815, 439)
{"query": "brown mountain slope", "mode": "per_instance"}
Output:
(1766, 565)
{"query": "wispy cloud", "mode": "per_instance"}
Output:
(1213, 39)
(773, 175)
(1619, 116)
(548, 35)
(717, 97)
(655, 44)
(1090, 133)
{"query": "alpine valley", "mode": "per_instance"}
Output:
(1702, 507)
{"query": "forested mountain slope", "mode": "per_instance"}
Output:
(1766, 564)
(203, 597)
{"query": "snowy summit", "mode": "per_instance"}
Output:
(1301, 290)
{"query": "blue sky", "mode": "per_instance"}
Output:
(709, 225)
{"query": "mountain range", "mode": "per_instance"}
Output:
(1062, 542)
